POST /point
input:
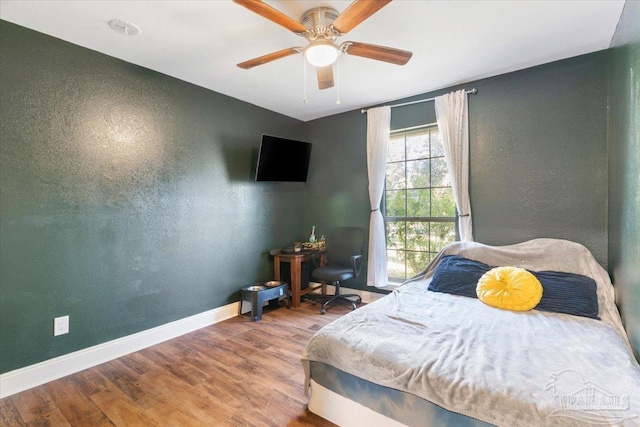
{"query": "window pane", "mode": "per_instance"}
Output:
(439, 174)
(417, 236)
(416, 262)
(418, 202)
(395, 149)
(418, 174)
(418, 145)
(442, 203)
(437, 149)
(395, 264)
(395, 176)
(418, 185)
(432, 255)
(442, 233)
(395, 235)
(395, 203)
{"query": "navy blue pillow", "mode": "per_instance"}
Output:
(562, 292)
(457, 275)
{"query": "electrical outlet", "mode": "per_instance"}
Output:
(60, 326)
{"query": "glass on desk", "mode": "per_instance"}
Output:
(297, 247)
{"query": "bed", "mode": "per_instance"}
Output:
(420, 357)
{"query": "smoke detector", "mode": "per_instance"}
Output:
(124, 27)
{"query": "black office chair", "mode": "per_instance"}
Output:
(343, 261)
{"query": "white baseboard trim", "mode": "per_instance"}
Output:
(22, 379)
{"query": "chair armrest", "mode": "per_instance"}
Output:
(356, 264)
(313, 257)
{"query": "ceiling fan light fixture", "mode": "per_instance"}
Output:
(321, 53)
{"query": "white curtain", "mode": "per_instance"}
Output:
(378, 127)
(452, 115)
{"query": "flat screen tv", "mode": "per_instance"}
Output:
(283, 159)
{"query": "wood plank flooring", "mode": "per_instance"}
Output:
(231, 374)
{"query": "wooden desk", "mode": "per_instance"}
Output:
(296, 259)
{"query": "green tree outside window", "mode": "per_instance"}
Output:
(419, 208)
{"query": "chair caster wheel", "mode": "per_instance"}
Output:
(313, 302)
(323, 311)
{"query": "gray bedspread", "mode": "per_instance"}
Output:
(507, 368)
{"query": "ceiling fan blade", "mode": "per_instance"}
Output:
(379, 53)
(325, 77)
(266, 11)
(269, 57)
(357, 12)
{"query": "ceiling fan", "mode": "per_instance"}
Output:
(321, 27)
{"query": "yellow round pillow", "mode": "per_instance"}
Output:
(511, 288)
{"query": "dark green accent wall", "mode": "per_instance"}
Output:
(624, 168)
(538, 158)
(337, 182)
(127, 197)
(539, 154)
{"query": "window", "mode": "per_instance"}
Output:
(419, 209)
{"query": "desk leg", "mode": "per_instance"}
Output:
(276, 268)
(295, 281)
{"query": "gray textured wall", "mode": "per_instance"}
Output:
(624, 168)
(127, 197)
(538, 158)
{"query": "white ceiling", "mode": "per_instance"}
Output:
(452, 42)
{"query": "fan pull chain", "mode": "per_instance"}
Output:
(338, 80)
(304, 79)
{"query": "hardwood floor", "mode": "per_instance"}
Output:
(234, 373)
